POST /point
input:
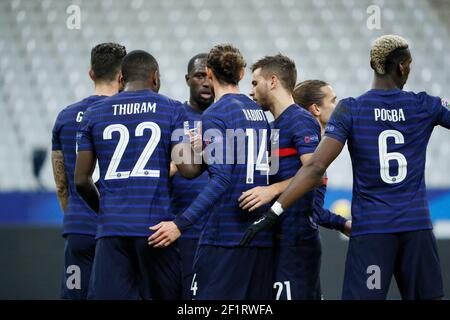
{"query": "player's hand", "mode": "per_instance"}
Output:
(173, 169)
(196, 140)
(254, 198)
(166, 233)
(266, 222)
(348, 228)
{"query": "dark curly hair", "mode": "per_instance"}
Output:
(106, 59)
(226, 62)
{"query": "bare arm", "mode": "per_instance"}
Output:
(173, 169)
(259, 196)
(86, 188)
(187, 158)
(59, 174)
(191, 166)
(310, 175)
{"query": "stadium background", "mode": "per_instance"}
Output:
(44, 63)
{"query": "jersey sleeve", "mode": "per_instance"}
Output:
(84, 134)
(442, 112)
(56, 131)
(323, 217)
(340, 124)
(214, 130)
(305, 135)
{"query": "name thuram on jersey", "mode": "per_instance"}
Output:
(134, 108)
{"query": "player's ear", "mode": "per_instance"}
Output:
(156, 80)
(403, 68)
(121, 82)
(91, 74)
(372, 65)
(187, 79)
(209, 73)
(273, 81)
(314, 109)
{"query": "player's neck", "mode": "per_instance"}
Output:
(194, 105)
(106, 89)
(322, 127)
(221, 90)
(281, 102)
(137, 86)
(384, 83)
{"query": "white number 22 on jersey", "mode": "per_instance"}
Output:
(385, 157)
(124, 137)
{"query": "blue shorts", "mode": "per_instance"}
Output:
(79, 251)
(127, 268)
(187, 248)
(411, 257)
(232, 273)
(297, 271)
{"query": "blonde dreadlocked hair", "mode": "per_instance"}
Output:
(382, 48)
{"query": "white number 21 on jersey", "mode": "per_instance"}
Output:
(385, 157)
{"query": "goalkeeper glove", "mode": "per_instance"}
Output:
(266, 222)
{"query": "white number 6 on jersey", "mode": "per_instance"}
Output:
(385, 157)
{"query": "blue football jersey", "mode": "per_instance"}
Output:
(131, 134)
(299, 134)
(242, 164)
(387, 133)
(183, 191)
(324, 217)
(78, 218)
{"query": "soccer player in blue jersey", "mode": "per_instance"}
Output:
(319, 98)
(131, 136)
(80, 222)
(236, 133)
(297, 243)
(183, 190)
(387, 131)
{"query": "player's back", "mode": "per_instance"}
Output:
(237, 114)
(388, 132)
(131, 134)
(78, 218)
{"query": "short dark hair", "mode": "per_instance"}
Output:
(395, 58)
(138, 65)
(106, 59)
(309, 92)
(282, 66)
(191, 63)
(226, 62)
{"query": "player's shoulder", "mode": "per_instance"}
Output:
(297, 116)
(425, 102)
(230, 102)
(425, 99)
(68, 113)
(146, 94)
(71, 108)
(298, 112)
(168, 101)
(351, 102)
(162, 99)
